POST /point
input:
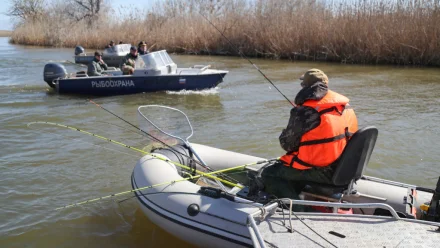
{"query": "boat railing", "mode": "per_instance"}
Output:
(336, 205)
(264, 211)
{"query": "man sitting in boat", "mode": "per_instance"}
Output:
(97, 66)
(128, 64)
(112, 43)
(142, 48)
(315, 137)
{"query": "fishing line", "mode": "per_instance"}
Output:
(136, 149)
(245, 57)
(201, 174)
(158, 140)
(85, 142)
(138, 135)
(280, 202)
(253, 64)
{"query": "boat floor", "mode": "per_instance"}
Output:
(359, 231)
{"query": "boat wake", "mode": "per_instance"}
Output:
(211, 91)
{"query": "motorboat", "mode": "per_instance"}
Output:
(355, 211)
(112, 56)
(154, 71)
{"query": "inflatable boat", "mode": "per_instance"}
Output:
(201, 194)
(358, 211)
(154, 71)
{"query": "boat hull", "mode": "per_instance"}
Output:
(120, 85)
(167, 207)
(223, 223)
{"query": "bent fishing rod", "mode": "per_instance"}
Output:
(132, 148)
(148, 153)
(156, 139)
(202, 174)
(245, 57)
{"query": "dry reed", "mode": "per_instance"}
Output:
(405, 32)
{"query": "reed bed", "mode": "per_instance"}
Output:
(404, 32)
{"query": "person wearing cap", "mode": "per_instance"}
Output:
(142, 48)
(128, 63)
(318, 130)
(112, 43)
(97, 66)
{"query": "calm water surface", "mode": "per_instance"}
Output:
(46, 167)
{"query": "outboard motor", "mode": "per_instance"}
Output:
(79, 50)
(53, 71)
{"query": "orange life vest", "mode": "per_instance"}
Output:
(324, 144)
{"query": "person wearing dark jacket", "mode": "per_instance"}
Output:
(142, 48)
(97, 66)
(112, 44)
(318, 130)
(128, 63)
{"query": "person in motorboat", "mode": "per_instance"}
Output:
(128, 64)
(142, 48)
(112, 43)
(97, 66)
(317, 132)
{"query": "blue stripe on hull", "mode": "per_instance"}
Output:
(121, 85)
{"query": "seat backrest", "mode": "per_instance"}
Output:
(355, 156)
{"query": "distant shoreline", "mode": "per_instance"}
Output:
(5, 33)
(354, 32)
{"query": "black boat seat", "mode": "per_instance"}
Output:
(81, 74)
(350, 166)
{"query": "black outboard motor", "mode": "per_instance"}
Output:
(53, 71)
(79, 50)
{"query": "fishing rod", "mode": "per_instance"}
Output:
(135, 149)
(245, 57)
(202, 174)
(149, 135)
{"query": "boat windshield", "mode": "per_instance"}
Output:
(118, 49)
(155, 60)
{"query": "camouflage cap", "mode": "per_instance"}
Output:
(312, 76)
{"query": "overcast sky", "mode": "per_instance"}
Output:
(6, 22)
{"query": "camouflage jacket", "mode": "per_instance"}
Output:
(96, 68)
(129, 60)
(302, 118)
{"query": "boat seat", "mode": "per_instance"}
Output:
(81, 74)
(349, 167)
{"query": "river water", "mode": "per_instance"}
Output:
(45, 167)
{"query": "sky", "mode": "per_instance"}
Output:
(6, 23)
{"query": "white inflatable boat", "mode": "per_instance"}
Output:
(355, 211)
(204, 218)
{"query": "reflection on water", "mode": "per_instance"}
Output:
(45, 167)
